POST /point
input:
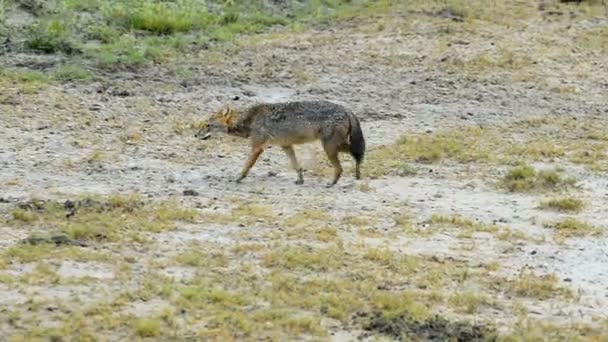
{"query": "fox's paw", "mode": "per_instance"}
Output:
(330, 185)
(299, 182)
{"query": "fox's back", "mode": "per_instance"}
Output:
(300, 120)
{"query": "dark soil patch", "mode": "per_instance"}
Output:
(405, 328)
(57, 240)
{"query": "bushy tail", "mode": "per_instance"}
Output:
(357, 143)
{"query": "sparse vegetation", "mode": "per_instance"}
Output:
(529, 284)
(72, 73)
(468, 302)
(571, 227)
(116, 218)
(565, 204)
(147, 327)
(526, 178)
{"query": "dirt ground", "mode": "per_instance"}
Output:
(404, 74)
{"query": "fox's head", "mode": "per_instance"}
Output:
(223, 120)
(226, 117)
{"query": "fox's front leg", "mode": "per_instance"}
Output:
(253, 157)
(291, 154)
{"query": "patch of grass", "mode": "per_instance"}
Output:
(132, 138)
(103, 33)
(538, 149)
(22, 75)
(545, 138)
(544, 287)
(113, 218)
(251, 212)
(28, 81)
(31, 253)
(245, 248)
(325, 259)
(468, 302)
(159, 18)
(147, 327)
(326, 233)
(467, 226)
(520, 178)
(303, 325)
(525, 178)
(72, 72)
(51, 36)
(508, 234)
(463, 145)
(127, 51)
(23, 215)
(565, 204)
(253, 23)
(571, 227)
(537, 330)
(200, 295)
(359, 221)
(396, 304)
(306, 217)
(380, 255)
(196, 257)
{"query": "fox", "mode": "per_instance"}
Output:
(286, 124)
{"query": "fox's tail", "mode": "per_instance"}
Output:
(357, 142)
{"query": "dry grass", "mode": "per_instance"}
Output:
(571, 227)
(525, 178)
(468, 302)
(529, 284)
(563, 204)
(541, 138)
(113, 219)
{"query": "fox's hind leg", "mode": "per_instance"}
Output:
(291, 154)
(256, 150)
(331, 149)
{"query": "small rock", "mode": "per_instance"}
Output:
(120, 92)
(205, 136)
(190, 192)
(95, 107)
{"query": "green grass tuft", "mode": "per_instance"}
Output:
(528, 284)
(147, 327)
(571, 227)
(565, 204)
(159, 17)
(72, 72)
(50, 37)
(525, 178)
